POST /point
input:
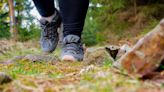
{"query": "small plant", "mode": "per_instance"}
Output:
(107, 62)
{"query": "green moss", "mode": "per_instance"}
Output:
(107, 62)
(65, 76)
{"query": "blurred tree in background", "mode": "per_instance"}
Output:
(24, 20)
(4, 20)
(107, 20)
(112, 20)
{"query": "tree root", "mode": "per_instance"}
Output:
(32, 58)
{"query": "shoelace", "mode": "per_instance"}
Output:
(73, 47)
(48, 30)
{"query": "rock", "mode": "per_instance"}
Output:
(113, 51)
(13, 60)
(4, 78)
(116, 52)
(96, 56)
(147, 55)
(40, 58)
(123, 49)
(33, 58)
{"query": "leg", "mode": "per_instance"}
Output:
(45, 7)
(73, 13)
(49, 22)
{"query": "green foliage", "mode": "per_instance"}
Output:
(32, 32)
(4, 21)
(153, 11)
(118, 17)
(4, 32)
(22, 67)
(152, 23)
(162, 67)
(91, 29)
(96, 23)
(26, 27)
(4, 25)
(107, 62)
(103, 18)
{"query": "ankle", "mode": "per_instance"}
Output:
(50, 18)
(71, 38)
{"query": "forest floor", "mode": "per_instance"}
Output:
(64, 76)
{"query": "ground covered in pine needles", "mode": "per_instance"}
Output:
(94, 74)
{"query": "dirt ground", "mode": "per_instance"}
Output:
(94, 74)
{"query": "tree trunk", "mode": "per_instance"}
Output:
(135, 7)
(13, 29)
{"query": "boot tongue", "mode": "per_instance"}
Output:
(71, 39)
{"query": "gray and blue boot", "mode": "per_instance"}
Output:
(49, 35)
(72, 49)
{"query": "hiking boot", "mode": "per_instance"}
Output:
(49, 35)
(72, 49)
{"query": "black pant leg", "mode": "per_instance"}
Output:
(73, 14)
(45, 7)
